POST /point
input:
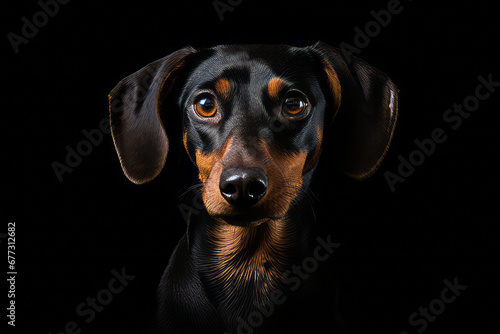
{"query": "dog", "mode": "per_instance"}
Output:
(253, 120)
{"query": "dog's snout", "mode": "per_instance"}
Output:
(243, 187)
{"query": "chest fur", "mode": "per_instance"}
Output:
(245, 265)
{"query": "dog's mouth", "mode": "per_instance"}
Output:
(245, 223)
(245, 218)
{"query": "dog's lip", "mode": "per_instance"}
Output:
(245, 219)
(245, 222)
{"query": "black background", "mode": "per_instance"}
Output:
(397, 247)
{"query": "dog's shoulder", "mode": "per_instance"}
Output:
(181, 293)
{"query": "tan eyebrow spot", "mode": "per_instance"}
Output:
(274, 87)
(223, 87)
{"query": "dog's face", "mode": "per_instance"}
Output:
(253, 121)
(253, 124)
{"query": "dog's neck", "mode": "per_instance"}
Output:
(255, 256)
(242, 266)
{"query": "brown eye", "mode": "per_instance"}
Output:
(294, 106)
(205, 105)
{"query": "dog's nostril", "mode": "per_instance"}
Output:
(243, 186)
(256, 189)
(230, 189)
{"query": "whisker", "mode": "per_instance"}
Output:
(191, 190)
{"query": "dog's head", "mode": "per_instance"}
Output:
(253, 121)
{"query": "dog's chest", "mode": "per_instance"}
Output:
(243, 268)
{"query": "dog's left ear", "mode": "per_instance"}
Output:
(138, 134)
(367, 104)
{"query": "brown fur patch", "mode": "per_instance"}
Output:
(274, 87)
(207, 161)
(185, 141)
(284, 171)
(334, 83)
(314, 157)
(250, 257)
(223, 87)
(168, 83)
(285, 178)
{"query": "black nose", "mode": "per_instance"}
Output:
(243, 187)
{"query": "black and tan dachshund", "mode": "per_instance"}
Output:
(253, 120)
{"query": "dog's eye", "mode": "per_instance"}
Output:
(294, 106)
(205, 105)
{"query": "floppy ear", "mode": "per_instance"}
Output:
(367, 103)
(138, 134)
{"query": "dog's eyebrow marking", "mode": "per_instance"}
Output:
(274, 87)
(223, 87)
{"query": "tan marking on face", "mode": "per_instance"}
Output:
(317, 151)
(207, 161)
(284, 179)
(274, 87)
(284, 170)
(223, 87)
(334, 83)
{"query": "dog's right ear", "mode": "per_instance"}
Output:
(367, 104)
(138, 134)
